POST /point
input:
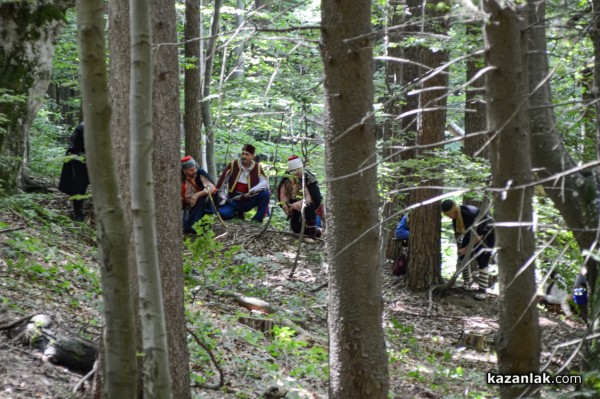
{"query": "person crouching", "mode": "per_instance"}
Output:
(196, 189)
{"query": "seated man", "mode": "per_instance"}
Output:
(554, 294)
(300, 188)
(402, 231)
(196, 188)
(243, 185)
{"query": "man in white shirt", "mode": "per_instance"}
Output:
(243, 186)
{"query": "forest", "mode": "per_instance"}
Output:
(474, 123)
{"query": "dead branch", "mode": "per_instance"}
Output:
(23, 319)
(214, 360)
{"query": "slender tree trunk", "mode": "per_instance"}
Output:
(119, 335)
(211, 52)
(29, 31)
(167, 171)
(192, 121)
(156, 376)
(120, 76)
(238, 71)
(518, 341)
(358, 362)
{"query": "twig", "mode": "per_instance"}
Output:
(214, 360)
(12, 229)
(10, 325)
(320, 287)
(86, 377)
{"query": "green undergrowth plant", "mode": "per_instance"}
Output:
(44, 251)
(213, 265)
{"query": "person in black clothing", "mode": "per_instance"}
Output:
(74, 178)
(297, 188)
(463, 219)
(196, 189)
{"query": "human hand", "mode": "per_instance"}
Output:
(462, 251)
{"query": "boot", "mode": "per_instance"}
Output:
(484, 281)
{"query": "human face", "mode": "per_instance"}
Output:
(246, 158)
(297, 173)
(190, 172)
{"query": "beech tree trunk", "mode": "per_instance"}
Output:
(357, 357)
(156, 378)
(518, 341)
(211, 53)
(166, 170)
(29, 32)
(112, 236)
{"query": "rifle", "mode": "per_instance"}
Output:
(239, 196)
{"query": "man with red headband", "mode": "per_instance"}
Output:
(243, 186)
(196, 189)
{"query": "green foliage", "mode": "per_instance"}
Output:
(37, 255)
(213, 264)
(48, 143)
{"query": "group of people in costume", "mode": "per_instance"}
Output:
(243, 186)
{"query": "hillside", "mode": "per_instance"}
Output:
(48, 265)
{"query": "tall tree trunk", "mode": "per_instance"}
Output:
(518, 341)
(475, 120)
(120, 76)
(156, 378)
(238, 69)
(29, 32)
(119, 335)
(192, 121)
(425, 247)
(211, 52)
(167, 171)
(358, 361)
(576, 194)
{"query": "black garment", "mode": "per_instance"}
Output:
(74, 179)
(310, 215)
(484, 229)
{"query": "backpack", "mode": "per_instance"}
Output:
(400, 264)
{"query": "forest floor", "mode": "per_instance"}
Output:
(48, 265)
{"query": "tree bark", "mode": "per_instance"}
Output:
(211, 52)
(192, 121)
(156, 378)
(425, 248)
(575, 195)
(358, 361)
(518, 341)
(167, 177)
(112, 237)
(29, 31)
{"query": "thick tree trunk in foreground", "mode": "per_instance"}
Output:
(518, 341)
(358, 362)
(28, 31)
(156, 378)
(576, 194)
(167, 171)
(119, 335)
